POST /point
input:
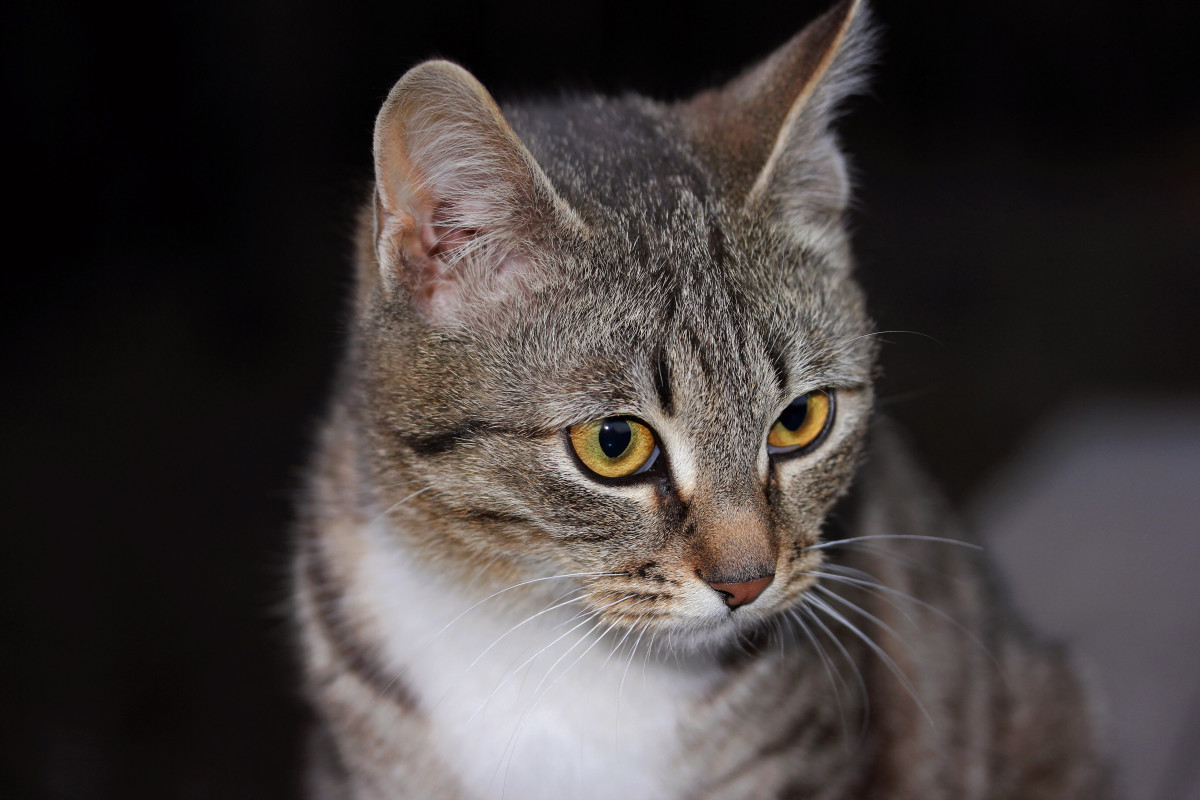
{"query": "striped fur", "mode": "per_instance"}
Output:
(481, 617)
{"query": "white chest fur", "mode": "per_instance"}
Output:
(529, 706)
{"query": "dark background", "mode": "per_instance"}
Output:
(181, 181)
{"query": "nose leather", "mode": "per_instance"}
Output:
(743, 593)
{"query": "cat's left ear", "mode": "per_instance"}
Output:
(767, 133)
(462, 209)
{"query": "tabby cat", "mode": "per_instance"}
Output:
(599, 509)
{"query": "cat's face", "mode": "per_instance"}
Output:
(704, 349)
(654, 378)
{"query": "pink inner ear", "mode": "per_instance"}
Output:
(440, 238)
(439, 291)
(443, 281)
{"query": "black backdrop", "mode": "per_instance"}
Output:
(181, 181)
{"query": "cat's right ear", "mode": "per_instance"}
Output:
(461, 207)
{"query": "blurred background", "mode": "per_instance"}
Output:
(182, 180)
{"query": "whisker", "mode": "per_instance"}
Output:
(553, 605)
(782, 641)
(940, 539)
(862, 684)
(855, 572)
(868, 585)
(585, 611)
(525, 583)
(595, 613)
(646, 657)
(579, 658)
(863, 612)
(399, 503)
(904, 559)
(632, 655)
(621, 685)
(525, 663)
(620, 642)
(871, 588)
(511, 746)
(793, 616)
(371, 490)
(530, 618)
(878, 334)
(821, 605)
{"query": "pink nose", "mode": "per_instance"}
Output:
(744, 593)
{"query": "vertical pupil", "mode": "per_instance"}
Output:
(615, 435)
(793, 416)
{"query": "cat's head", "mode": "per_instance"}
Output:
(617, 338)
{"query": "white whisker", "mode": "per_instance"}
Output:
(872, 588)
(862, 684)
(371, 490)
(834, 678)
(511, 746)
(621, 685)
(646, 657)
(879, 334)
(580, 657)
(632, 655)
(778, 626)
(399, 503)
(629, 631)
(594, 613)
(821, 605)
(863, 612)
(517, 586)
(941, 539)
(525, 663)
(556, 605)
(876, 586)
(882, 550)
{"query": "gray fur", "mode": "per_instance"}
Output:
(588, 257)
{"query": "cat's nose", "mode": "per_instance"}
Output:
(743, 592)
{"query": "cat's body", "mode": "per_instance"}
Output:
(490, 608)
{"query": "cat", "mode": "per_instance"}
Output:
(601, 507)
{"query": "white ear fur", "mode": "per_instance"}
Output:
(460, 203)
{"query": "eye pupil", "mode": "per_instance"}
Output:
(615, 436)
(802, 423)
(614, 447)
(794, 415)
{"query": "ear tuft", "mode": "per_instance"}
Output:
(460, 203)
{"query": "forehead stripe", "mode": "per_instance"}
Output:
(779, 364)
(661, 372)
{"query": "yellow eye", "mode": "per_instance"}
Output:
(802, 423)
(614, 447)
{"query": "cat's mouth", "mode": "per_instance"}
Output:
(699, 611)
